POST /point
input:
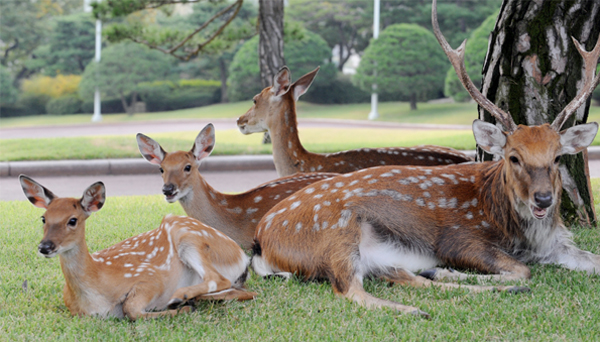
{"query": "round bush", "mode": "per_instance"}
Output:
(68, 104)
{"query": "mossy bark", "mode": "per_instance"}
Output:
(533, 70)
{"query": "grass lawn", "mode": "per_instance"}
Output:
(228, 142)
(432, 113)
(563, 305)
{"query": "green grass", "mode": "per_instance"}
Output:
(430, 113)
(228, 142)
(563, 305)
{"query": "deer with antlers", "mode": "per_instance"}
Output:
(492, 217)
(274, 110)
(235, 215)
(163, 269)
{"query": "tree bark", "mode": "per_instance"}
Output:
(270, 43)
(413, 101)
(533, 70)
(223, 71)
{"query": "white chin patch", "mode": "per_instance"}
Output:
(172, 198)
(48, 256)
(538, 213)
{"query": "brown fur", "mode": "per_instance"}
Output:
(278, 116)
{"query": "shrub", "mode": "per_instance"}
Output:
(167, 95)
(340, 90)
(33, 104)
(8, 92)
(107, 106)
(68, 104)
(53, 87)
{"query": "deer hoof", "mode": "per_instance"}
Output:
(518, 289)
(421, 314)
(429, 274)
(174, 303)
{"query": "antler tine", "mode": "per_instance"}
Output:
(590, 58)
(457, 58)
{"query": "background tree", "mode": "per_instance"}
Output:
(407, 60)
(533, 70)
(475, 52)
(8, 92)
(270, 43)
(181, 43)
(122, 67)
(345, 24)
(71, 46)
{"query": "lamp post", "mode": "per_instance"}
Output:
(374, 114)
(97, 113)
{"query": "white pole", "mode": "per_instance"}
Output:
(374, 114)
(97, 115)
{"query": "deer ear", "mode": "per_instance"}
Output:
(93, 197)
(150, 149)
(303, 83)
(36, 193)
(489, 137)
(281, 81)
(204, 144)
(575, 139)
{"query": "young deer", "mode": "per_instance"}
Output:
(274, 110)
(235, 215)
(492, 217)
(180, 260)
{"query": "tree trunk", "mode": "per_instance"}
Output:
(223, 71)
(270, 43)
(533, 70)
(413, 101)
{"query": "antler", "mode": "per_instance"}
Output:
(590, 60)
(457, 58)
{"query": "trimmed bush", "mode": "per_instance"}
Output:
(52, 86)
(68, 104)
(167, 95)
(340, 90)
(107, 106)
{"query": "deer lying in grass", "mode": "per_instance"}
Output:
(391, 221)
(274, 110)
(180, 260)
(235, 215)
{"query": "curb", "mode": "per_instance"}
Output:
(60, 168)
(136, 166)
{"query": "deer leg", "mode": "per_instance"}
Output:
(138, 299)
(357, 294)
(229, 294)
(403, 277)
(567, 255)
(461, 249)
(212, 282)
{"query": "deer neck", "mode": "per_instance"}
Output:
(204, 202)
(289, 155)
(79, 269)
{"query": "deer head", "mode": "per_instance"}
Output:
(273, 100)
(179, 169)
(531, 154)
(64, 219)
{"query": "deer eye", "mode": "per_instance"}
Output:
(161, 170)
(514, 160)
(43, 219)
(72, 222)
(187, 168)
(556, 160)
(254, 101)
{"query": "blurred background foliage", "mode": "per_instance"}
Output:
(47, 50)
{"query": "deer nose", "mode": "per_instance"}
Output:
(241, 121)
(46, 247)
(543, 200)
(168, 189)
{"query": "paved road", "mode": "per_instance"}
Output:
(128, 185)
(232, 181)
(149, 127)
